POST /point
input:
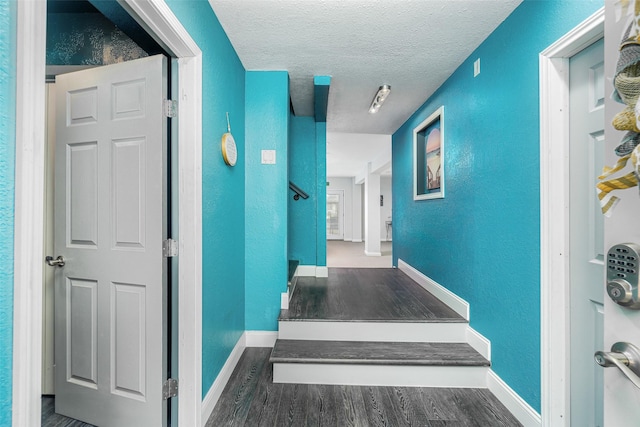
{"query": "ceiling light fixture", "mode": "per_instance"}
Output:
(379, 98)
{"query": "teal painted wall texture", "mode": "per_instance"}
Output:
(7, 194)
(87, 39)
(321, 168)
(267, 187)
(223, 232)
(302, 214)
(482, 241)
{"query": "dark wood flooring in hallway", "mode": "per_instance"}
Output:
(354, 294)
(51, 419)
(251, 399)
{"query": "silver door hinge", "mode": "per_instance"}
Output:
(169, 389)
(169, 248)
(170, 108)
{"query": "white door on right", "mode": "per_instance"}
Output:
(586, 97)
(622, 324)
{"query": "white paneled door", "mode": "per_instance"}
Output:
(622, 324)
(586, 224)
(110, 222)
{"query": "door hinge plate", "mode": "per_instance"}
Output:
(169, 389)
(170, 108)
(169, 248)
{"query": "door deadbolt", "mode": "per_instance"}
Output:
(622, 275)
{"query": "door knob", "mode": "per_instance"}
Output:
(624, 356)
(55, 262)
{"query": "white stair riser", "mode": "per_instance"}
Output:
(381, 375)
(371, 331)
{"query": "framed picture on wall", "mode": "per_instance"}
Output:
(428, 157)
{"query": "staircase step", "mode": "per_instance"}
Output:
(377, 331)
(377, 353)
(378, 364)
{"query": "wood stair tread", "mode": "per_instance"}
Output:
(376, 353)
(366, 295)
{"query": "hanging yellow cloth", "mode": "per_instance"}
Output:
(630, 180)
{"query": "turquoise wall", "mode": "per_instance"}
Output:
(223, 232)
(321, 185)
(71, 40)
(308, 170)
(7, 165)
(483, 240)
(267, 190)
(302, 214)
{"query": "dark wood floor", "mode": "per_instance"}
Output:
(353, 294)
(252, 399)
(51, 419)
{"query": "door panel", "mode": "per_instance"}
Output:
(82, 194)
(129, 193)
(586, 151)
(621, 398)
(82, 332)
(335, 214)
(110, 217)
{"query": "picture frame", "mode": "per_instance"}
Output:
(428, 157)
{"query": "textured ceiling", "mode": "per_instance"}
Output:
(412, 45)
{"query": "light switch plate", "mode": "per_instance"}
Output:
(476, 67)
(268, 157)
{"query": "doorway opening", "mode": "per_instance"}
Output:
(335, 214)
(349, 249)
(160, 22)
(79, 33)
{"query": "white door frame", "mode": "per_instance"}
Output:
(554, 216)
(160, 22)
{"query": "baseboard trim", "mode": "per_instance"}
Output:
(312, 271)
(306, 271)
(456, 303)
(214, 393)
(260, 338)
(512, 401)
(505, 394)
(357, 240)
(478, 341)
(367, 253)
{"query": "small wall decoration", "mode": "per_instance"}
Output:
(428, 157)
(626, 85)
(229, 150)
